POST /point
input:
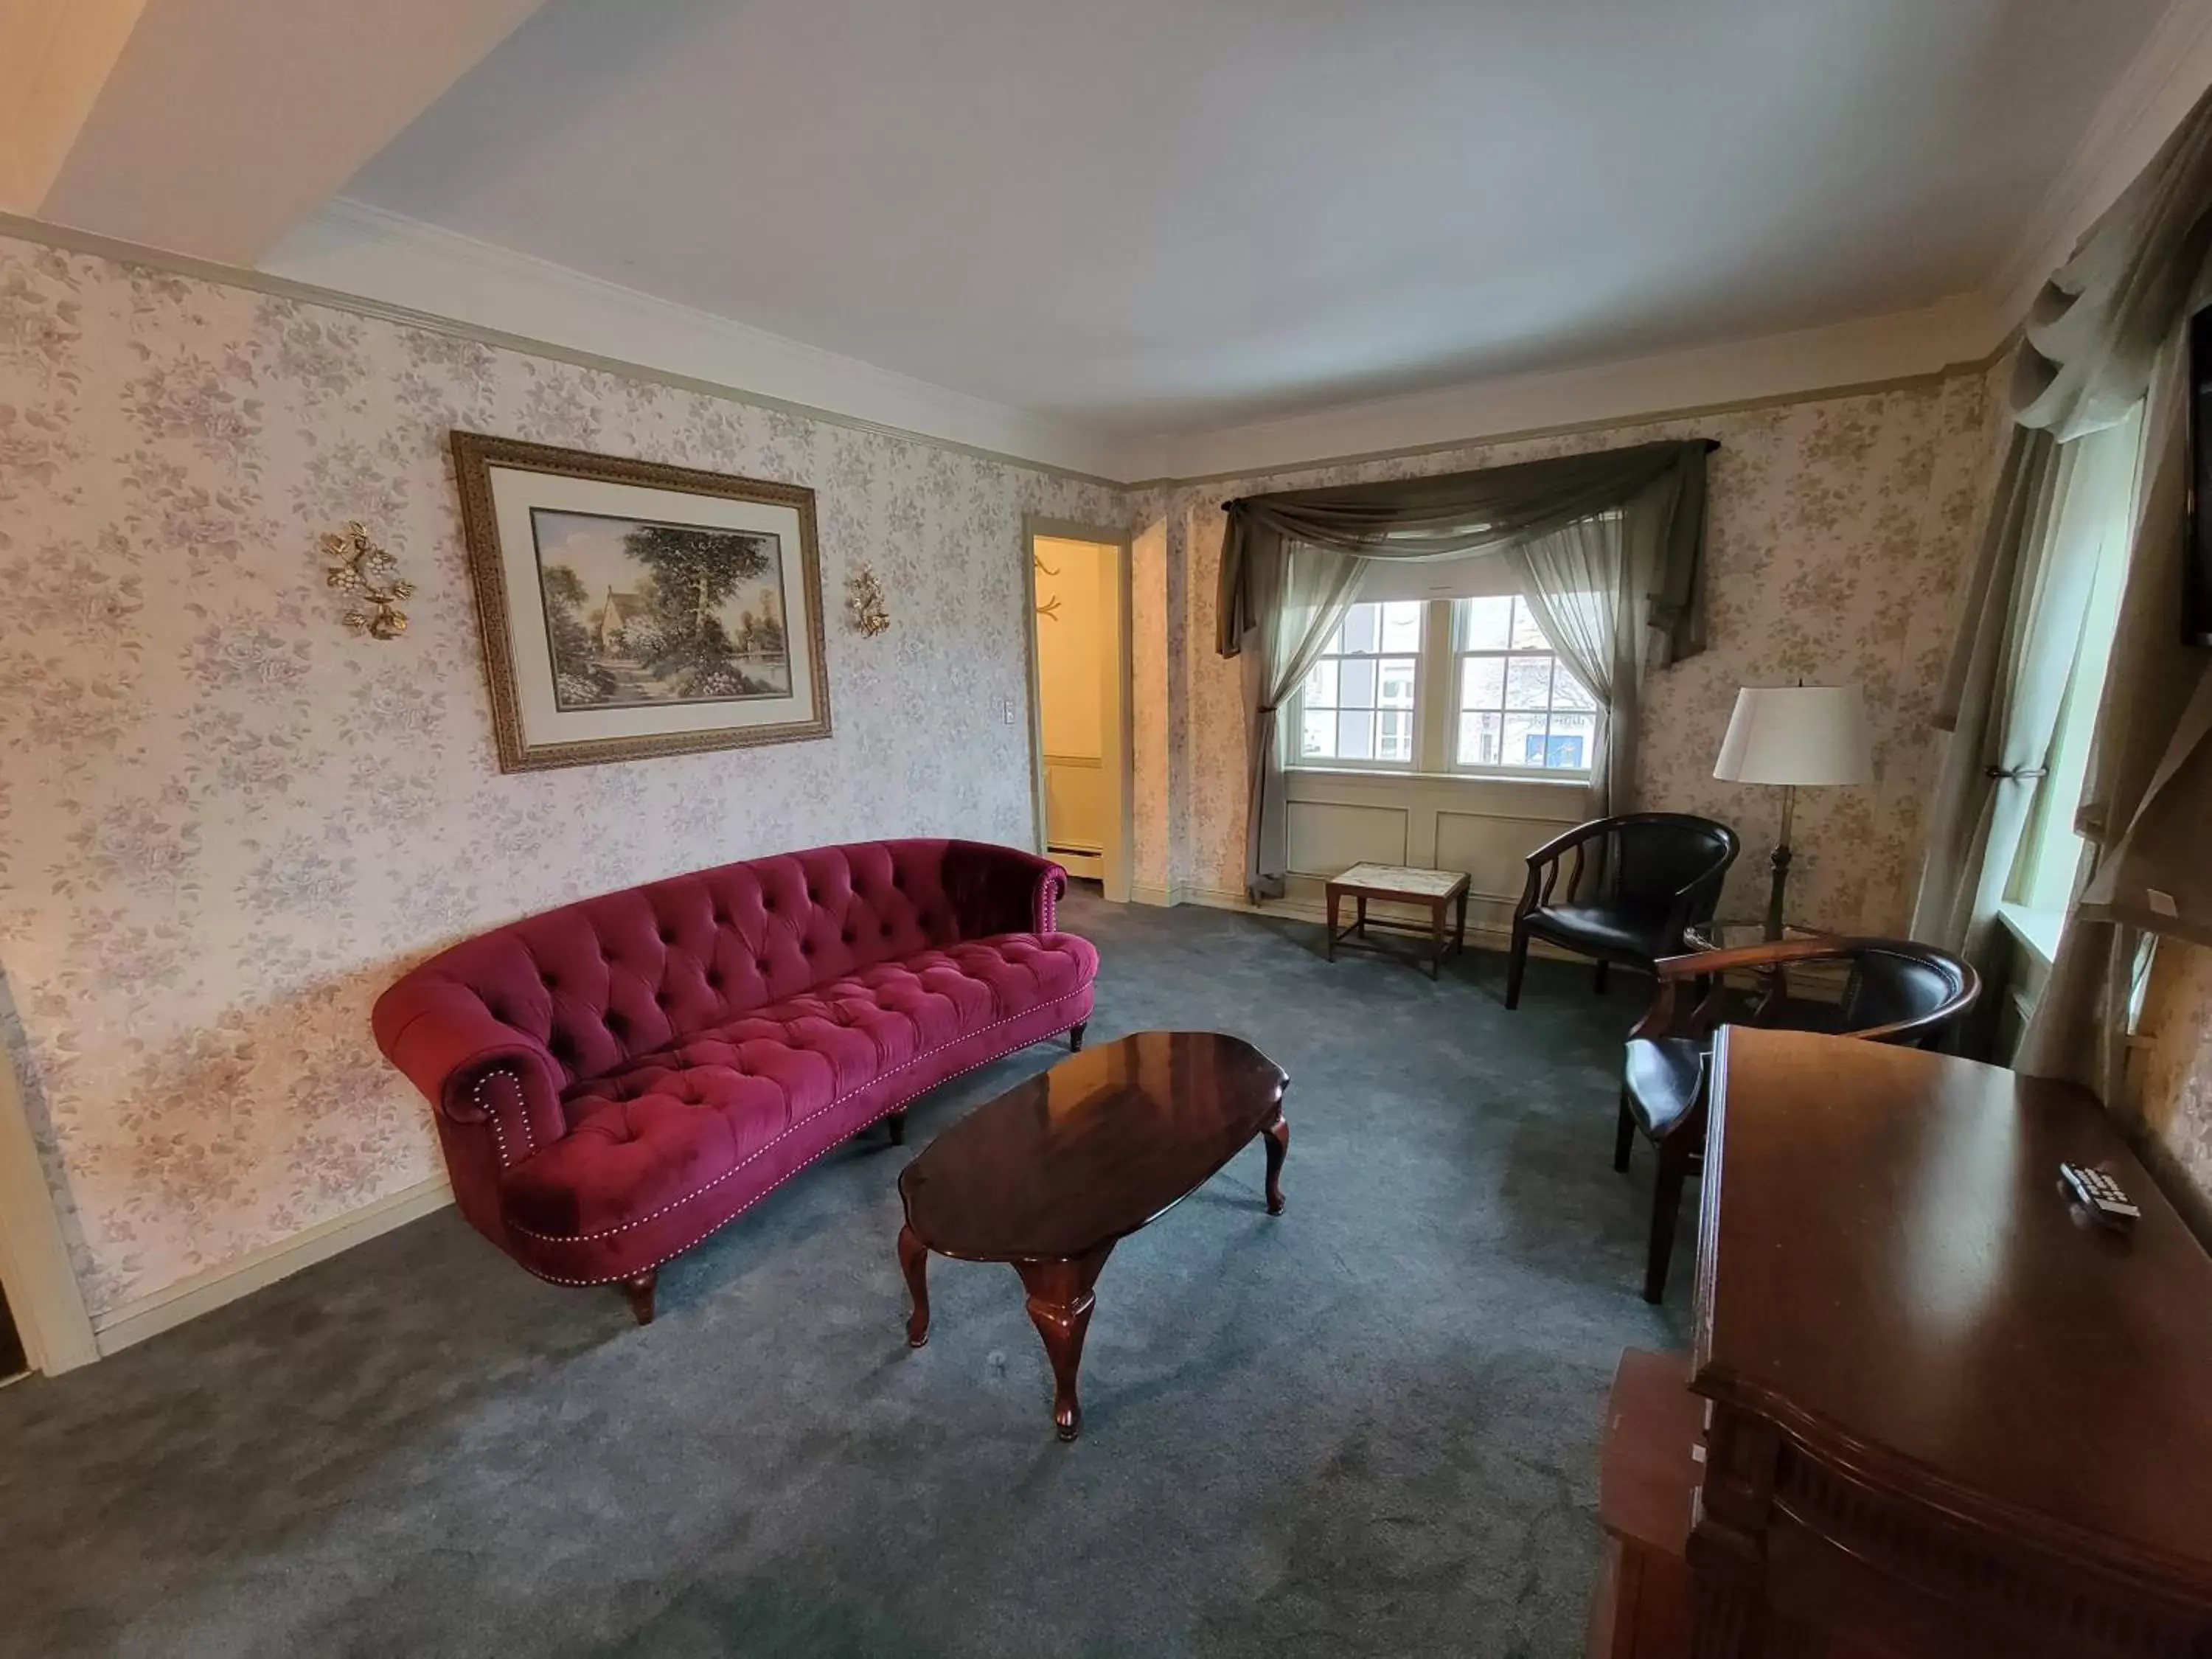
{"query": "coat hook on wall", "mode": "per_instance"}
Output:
(1050, 609)
(371, 575)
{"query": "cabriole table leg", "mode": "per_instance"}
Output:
(914, 1262)
(1060, 1303)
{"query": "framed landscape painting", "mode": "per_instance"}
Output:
(630, 609)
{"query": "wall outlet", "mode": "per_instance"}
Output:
(1008, 710)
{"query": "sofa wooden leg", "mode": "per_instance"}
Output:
(897, 1124)
(1517, 964)
(1075, 1036)
(639, 1289)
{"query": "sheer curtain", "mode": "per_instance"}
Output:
(1575, 583)
(1291, 561)
(2109, 325)
(1303, 592)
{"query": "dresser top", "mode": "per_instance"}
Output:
(1892, 1273)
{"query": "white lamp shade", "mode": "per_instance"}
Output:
(1797, 734)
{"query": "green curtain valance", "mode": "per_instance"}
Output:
(1453, 514)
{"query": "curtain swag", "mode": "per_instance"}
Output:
(1605, 548)
(1454, 514)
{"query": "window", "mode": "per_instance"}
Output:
(1519, 705)
(1358, 702)
(2095, 527)
(1443, 685)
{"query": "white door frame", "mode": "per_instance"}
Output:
(43, 1297)
(1119, 762)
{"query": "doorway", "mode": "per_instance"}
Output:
(1079, 699)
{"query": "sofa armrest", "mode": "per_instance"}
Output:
(1002, 889)
(475, 1068)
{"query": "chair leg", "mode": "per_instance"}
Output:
(1075, 1036)
(1665, 1206)
(639, 1289)
(1599, 982)
(896, 1122)
(1624, 1135)
(1517, 964)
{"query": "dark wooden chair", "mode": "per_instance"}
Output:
(1635, 883)
(1895, 991)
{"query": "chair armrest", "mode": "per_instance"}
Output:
(1002, 889)
(1544, 865)
(475, 1068)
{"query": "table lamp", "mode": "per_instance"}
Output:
(1794, 736)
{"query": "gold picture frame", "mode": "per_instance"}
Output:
(709, 634)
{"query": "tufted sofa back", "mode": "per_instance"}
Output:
(597, 981)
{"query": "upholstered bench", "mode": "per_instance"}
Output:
(617, 1078)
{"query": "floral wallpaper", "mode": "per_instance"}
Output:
(1836, 528)
(226, 823)
(2176, 1079)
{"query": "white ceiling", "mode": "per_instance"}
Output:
(1154, 216)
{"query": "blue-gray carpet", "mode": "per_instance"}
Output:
(1368, 1427)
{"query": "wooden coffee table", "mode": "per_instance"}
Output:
(1056, 1172)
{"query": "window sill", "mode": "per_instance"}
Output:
(2036, 931)
(1556, 780)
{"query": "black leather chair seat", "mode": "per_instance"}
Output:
(1663, 1075)
(1620, 930)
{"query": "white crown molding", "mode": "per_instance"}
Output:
(2137, 116)
(1808, 363)
(354, 248)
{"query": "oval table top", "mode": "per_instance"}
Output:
(1091, 1151)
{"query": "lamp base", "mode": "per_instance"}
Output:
(1780, 865)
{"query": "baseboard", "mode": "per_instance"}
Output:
(188, 1298)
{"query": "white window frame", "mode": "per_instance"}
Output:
(1435, 717)
(1295, 726)
(1460, 654)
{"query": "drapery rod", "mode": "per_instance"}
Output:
(1710, 444)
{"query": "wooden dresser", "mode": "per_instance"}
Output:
(1942, 1415)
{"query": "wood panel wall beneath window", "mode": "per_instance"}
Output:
(1485, 826)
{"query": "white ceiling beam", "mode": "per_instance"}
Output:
(55, 55)
(221, 122)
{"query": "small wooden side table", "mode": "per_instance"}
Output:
(1438, 889)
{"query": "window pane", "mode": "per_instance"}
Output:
(1355, 735)
(1523, 743)
(1482, 683)
(1321, 685)
(1357, 681)
(1361, 624)
(1567, 691)
(1477, 740)
(1572, 742)
(1528, 682)
(1397, 682)
(1483, 624)
(1318, 740)
(1526, 636)
(1397, 735)
(1401, 625)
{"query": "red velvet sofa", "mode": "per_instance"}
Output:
(617, 1078)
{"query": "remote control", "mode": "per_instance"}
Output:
(2098, 1193)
